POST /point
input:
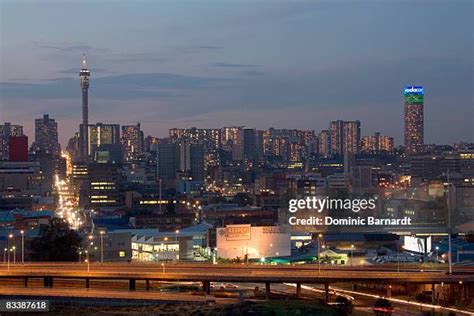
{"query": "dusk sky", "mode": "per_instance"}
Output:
(282, 64)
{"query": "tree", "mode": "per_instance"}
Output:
(383, 307)
(57, 242)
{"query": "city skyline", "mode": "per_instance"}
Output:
(213, 81)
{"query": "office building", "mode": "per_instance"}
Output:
(191, 160)
(104, 143)
(324, 143)
(104, 182)
(345, 136)
(7, 130)
(414, 125)
(229, 136)
(46, 136)
(132, 142)
(377, 143)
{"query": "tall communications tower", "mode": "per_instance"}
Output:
(84, 127)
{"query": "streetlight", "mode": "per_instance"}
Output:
(176, 234)
(80, 256)
(102, 233)
(398, 256)
(437, 250)
(352, 254)
(22, 232)
(87, 261)
(10, 237)
(5, 255)
(163, 265)
(9, 250)
(319, 252)
(450, 262)
(14, 254)
(404, 266)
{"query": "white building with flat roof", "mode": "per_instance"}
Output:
(254, 242)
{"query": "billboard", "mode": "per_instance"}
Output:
(237, 232)
(417, 244)
(414, 90)
(414, 95)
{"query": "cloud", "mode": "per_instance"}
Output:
(252, 73)
(124, 86)
(82, 48)
(145, 57)
(210, 47)
(69, 47)
(229, 65)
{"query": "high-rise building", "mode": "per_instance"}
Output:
(104, 186)
(385, 143)
(167, 161)
(84, 75)
(377, 143)
(335, 130)
(249, 138)
(345, 136)
(259, 143)
(414, 103)
(7, 130)
(132, 142)
(351, 137)
(324, 143)
(104, 143)
(191, 160)
(184, 157)
(46, 136)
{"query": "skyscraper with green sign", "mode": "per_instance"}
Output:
(413, 117)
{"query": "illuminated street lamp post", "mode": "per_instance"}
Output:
(398, 256)
(102, 233)
(87, 261)
(319, 252)
(80, 256)
(163, 265)
(437, 251)
(22, 232)
(5, 255)
(352, 254)
(176, 235)
(450, 262)
(14, 254)
(9, 250)
(10, 237)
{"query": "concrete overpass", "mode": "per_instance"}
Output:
(463, 283)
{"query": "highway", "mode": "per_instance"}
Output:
(228, 273)
(114, 280)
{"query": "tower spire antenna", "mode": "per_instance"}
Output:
(84, 61)
(84, 75)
